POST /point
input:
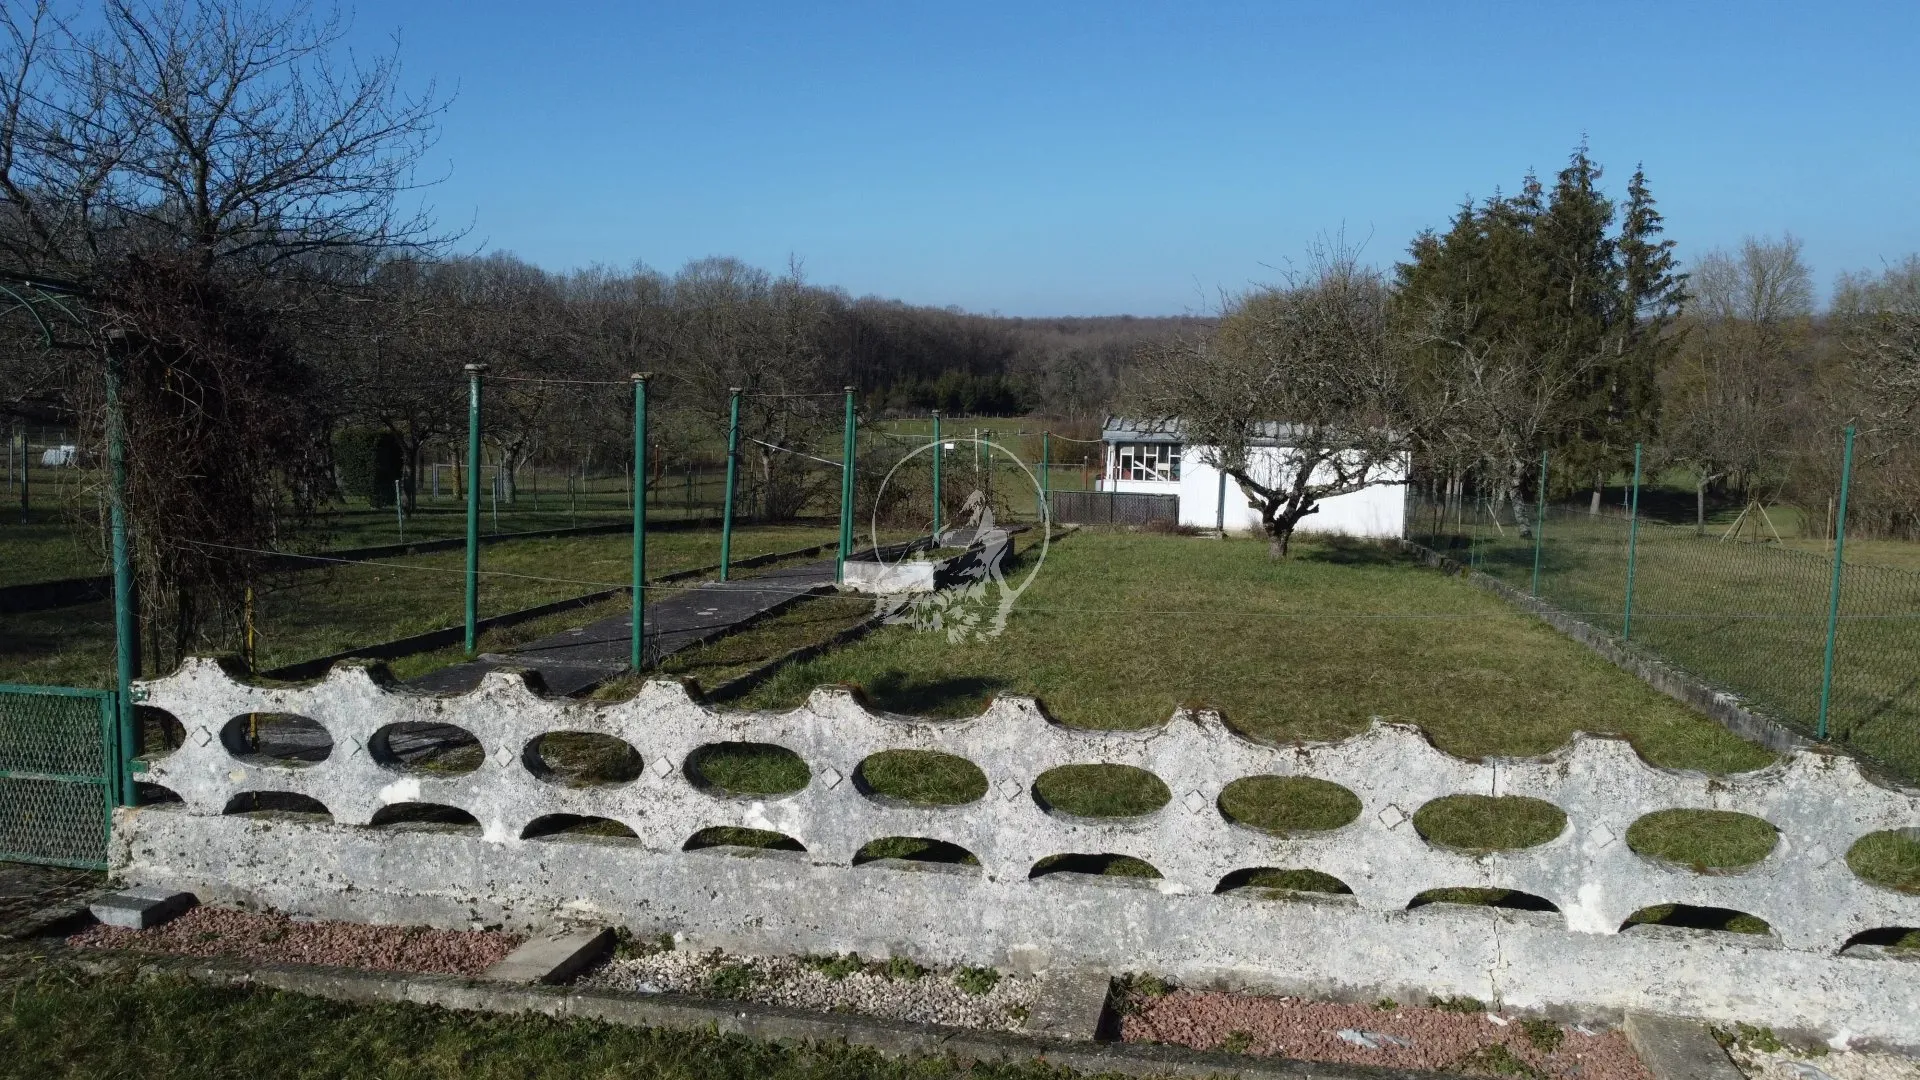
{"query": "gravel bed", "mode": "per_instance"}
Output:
(896, 991)
(1398, 1036)
(1786, 1063)
(278, 939)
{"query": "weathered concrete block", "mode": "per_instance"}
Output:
(141, 907)
(1071, 1005)
(1675, 1049)
(910, 576)
(553, 958)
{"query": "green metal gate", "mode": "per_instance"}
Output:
(57, 774)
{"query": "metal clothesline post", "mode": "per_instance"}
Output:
(733, 458)
(638, 495)
(1633, 546)
(1539, 526)
(1833, 591)
(474, 371)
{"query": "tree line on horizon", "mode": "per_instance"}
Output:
(215, 202)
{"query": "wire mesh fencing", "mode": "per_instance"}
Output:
(56, 782)
(1748, 617)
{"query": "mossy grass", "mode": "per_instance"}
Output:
(915, 849)
(739, 768)
(735, 836)
(1689, 917)
(1890, 858)
(1482, 897)
(1706, 840)
(1283, 805)
(587, 759)
(1290, 880)
(1101, 790)
(1125, 866)
(1478, 824)
(924, 777)
(84, 1027)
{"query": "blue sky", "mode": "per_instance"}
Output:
(1054, 158)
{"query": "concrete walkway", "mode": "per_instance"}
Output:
(574, 661)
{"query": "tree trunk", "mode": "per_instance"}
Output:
(1593, 508)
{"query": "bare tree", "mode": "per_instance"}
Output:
(1299, 395)
(196, 168)
(1730, 391)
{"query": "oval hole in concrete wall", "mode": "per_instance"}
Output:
(915, 849)
(1474, 896)
(1284, 805)
(581, 759)
(1276, 880)
(722, 836)
(277, 804)
(1705, 841)
(424, 817)
(161, 732)
(1094, 865)
(920, 778)
(427, 749)
(1689, 917)
(1904, 940)
(283, 739)
(155, 794)
(1889, 858)
(1100, 791)
(1478, 824)
(746, 768)
(576, 827)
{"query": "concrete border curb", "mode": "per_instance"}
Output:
(890, 1038)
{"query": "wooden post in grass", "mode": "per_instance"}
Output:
(1633, 546)
(1833, 591)
(638, 495)
(474, 371)
(733, 460)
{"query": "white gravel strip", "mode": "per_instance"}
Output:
(934, 998)
(1788, 1064)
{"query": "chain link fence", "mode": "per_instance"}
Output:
(1748, 617)
(56, 779)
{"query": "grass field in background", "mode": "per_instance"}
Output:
(1119, 630)
(1748, 617)
(318, 612)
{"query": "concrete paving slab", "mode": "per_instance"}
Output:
(1071, 1005)
(141, 907)
(553, 958)
(1675, 1049)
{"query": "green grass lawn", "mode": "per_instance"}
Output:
(1119, 630)
(60, 1024)
(328, 610)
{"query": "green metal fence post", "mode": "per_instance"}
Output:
(733, 458)
(639, 494)
(125, 636)
(1833, 592)
(474, 371)
(847, 450)
(1539, 526)
(1046, 475)
(937, 451)
(1633, 547)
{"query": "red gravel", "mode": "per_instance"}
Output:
(273, 938)
(1306, 1030)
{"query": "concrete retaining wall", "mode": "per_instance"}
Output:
(1362, 945)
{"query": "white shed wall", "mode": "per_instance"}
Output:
(1375, 512)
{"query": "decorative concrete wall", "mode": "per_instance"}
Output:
(815, 901)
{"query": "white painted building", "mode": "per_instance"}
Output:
(1160, 462)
